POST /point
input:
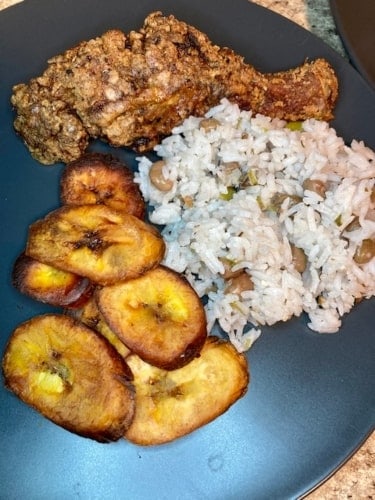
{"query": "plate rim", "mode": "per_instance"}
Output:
(357, 447)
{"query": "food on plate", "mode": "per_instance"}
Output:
(101, 179)
(72, 367)
(170, 404)
(132, 89)
(291, 208)
(50, 285)
(158, 316)
(365, 252)
(90, 315)
(95, 241)
(71, 375)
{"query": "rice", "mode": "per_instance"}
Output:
(222, 211)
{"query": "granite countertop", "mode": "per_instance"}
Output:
(356, 479)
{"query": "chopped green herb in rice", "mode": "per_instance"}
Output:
(250, 190)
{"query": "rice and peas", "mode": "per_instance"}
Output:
(267, 220)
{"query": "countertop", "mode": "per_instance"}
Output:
(356, 479)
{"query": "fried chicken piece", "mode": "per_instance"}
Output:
(131, 90)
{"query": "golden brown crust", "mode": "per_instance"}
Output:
(131, 90)
(309, 91)
(49, 126)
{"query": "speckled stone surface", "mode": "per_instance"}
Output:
(314, 15)
(356, 479)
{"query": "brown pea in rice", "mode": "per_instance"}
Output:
(241, 195)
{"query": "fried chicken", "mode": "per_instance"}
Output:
(132, 89)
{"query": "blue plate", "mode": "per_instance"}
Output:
(311, 399)
(356, 26)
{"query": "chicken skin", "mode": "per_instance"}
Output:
(132, 89)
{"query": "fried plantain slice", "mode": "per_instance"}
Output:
(90, 315)
(171, 404)
(50, 285)
(95, 241)
(159, 316)
(97, 178)
(71, 375)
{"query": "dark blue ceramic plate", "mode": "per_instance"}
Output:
(356, 26)
(311, 400)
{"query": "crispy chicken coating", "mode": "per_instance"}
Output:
(132, 89)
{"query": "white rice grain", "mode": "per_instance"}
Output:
(221, 209)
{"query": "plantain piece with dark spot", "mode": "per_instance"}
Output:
(71, 375)
(132, 89)
(159, 316)
(101, 179)
(171, 404)
(97, 242)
